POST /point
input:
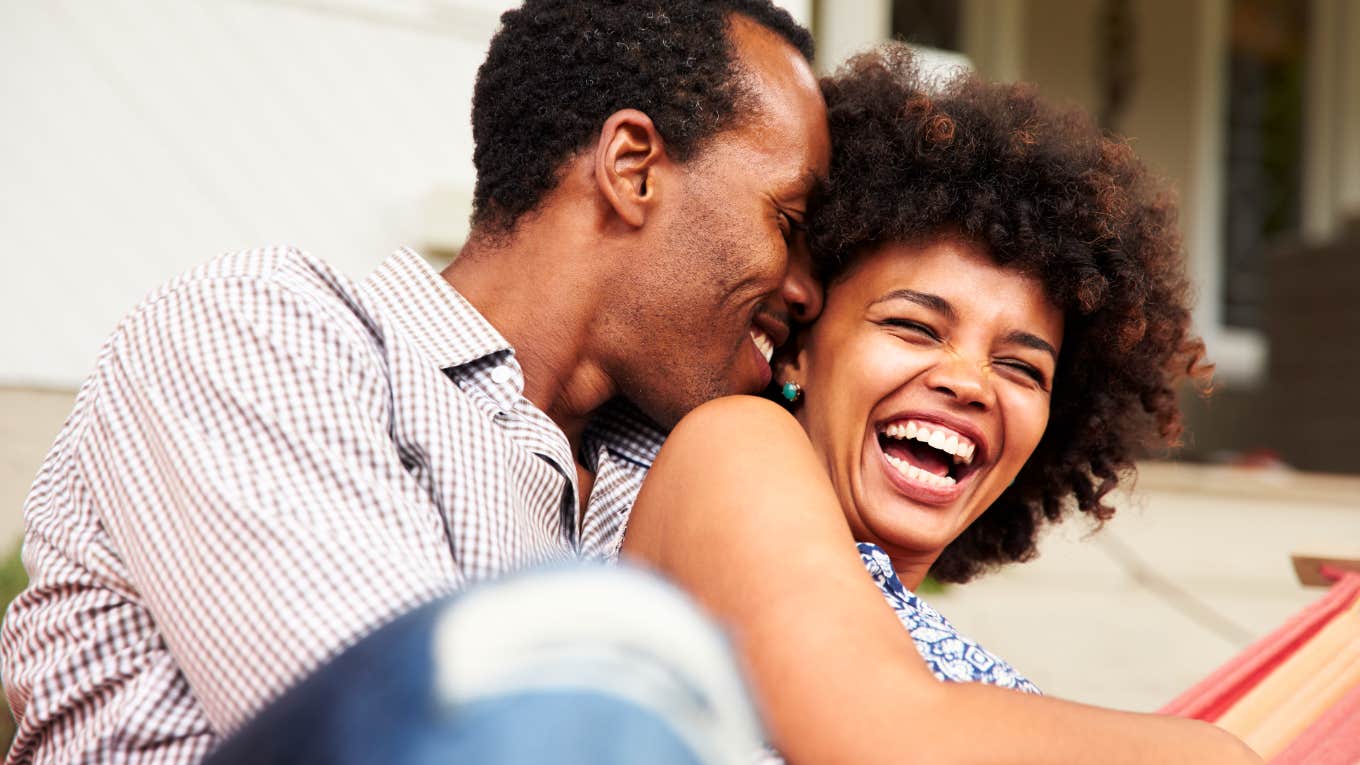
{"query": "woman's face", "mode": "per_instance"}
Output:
(926, 387)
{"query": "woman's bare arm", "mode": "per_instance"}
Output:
(738, 510)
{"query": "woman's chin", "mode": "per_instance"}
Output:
(911, 514)
(899, 521)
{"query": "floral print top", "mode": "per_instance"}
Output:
(951, 656)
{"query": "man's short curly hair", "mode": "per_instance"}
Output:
(557, 69)
(1047, 193)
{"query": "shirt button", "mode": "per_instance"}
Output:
(501, 375)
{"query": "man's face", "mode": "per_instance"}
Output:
(728, 270)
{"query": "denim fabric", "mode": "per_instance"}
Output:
(383, 701)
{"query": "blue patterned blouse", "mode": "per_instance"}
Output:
(949, 655)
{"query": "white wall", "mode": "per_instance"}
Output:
(141, 137)
(847, 27)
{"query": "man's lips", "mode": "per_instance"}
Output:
(767, 332)
(763, 344)
(774, 326)
(763, 348)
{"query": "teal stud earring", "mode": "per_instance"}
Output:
(791, 391)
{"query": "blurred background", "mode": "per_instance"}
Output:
(142, 137)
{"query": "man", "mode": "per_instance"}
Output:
(269, 460)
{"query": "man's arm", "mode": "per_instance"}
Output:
(239, 455)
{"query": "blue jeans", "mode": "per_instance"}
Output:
(569, 666)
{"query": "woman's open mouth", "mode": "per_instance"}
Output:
(927, 460)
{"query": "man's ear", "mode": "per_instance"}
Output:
(626, 158)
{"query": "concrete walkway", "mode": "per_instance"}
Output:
(1194, 566)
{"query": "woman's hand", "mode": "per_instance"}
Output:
(1223, 746)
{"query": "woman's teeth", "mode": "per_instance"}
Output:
(763, 343)
(916, 474)
(936, 436)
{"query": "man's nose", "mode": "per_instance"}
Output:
(801, 291)
(966, 380)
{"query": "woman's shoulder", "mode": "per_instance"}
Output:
(737, 444)
(735, 473)
(744, 418)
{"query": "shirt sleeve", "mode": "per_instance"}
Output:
(240, 455)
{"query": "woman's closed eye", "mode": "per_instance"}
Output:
(913, 326)
(1026, 369)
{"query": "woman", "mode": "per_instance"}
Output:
(1005, 319)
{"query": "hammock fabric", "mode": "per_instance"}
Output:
(1294, 695)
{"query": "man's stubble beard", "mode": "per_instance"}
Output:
(679, 377)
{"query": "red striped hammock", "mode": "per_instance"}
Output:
(1293, 695)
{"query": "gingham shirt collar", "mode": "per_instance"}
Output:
(456, 337)
(452, 334)
(438, 320)
(622, 429)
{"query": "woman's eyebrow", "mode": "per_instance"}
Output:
(1029, 340)
(923, 299)
(942, 307)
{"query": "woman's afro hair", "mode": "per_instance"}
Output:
(1050, 195)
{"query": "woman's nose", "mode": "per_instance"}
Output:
(963, 379)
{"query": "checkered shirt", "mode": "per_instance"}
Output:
(268, 461)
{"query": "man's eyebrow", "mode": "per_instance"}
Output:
(814, 184)
(924, 299)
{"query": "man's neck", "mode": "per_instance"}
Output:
(536, 291)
